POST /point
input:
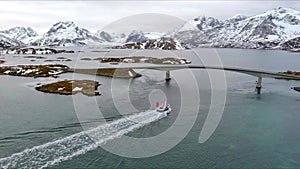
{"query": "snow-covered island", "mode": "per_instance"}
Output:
(35, 51)
(162, 43)
(143, 59)
(35, 70)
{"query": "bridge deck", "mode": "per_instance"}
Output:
(257, 73)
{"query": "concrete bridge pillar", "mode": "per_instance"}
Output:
(258, 85)
(168, 78)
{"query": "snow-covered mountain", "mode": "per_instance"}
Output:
(24, 35)
(6, 42)
(67, 34)
(268, 30)
(134, 36)
(278, 28)
(111, 38)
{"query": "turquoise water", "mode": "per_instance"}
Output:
(256, 131)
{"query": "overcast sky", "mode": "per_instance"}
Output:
(98, 15)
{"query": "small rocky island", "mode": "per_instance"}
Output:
(35, 70)
(71, 87)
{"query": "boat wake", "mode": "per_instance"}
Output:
(66, 148)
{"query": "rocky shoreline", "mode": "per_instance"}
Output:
(290, 73)
(71, 87)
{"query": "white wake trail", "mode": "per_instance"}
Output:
(52, 153)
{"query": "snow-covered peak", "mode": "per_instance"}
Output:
(286, 14)
(136, 36)
(204, 23)
(7, 42)
(19, 34)
(63, 25)
(266, 30)
(282, 10)
(236, 18)
(104, 36)
(67, 34)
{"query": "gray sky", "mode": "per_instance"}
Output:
(98, 15)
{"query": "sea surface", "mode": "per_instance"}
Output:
(56, 131)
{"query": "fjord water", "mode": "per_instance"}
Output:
(255, 130)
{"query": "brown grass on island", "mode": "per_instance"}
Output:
(34, 70)
(290, 73)
(63, 59)
(87, 59)
(98, 59)
(52, 60)
(71, 87)
(34, 57)
(100, 51)
(2, 61)
(295, 50)
(142, 59)
(58, 60)
(119, 73)
(111, 72)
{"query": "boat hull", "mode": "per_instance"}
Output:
(164, 111)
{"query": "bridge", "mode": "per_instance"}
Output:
(168, 68)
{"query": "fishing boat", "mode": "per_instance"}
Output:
(164, 108)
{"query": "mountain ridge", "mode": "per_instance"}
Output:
(278, 28)
(267, 30)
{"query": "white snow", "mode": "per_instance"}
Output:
(272, 37)
(142, 60)
(7, 72)
(128, 60)
(153, 35)
(55, 72)
(77, 89)
(29, 71)
(61, 88)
